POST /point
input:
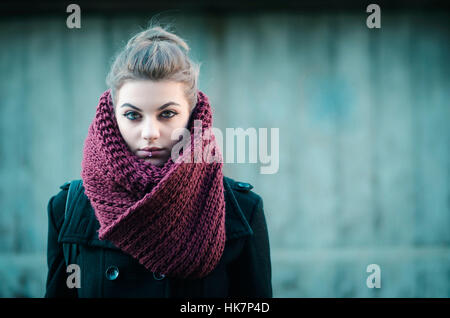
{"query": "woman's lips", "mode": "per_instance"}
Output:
(147, 153)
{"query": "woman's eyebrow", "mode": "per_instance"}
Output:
(159, 108)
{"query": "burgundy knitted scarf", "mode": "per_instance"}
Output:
(170, 218)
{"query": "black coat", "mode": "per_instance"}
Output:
(106, 271)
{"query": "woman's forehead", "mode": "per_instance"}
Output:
(151, 95)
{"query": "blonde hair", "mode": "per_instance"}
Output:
(155, 54)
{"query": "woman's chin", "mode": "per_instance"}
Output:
(155, 161)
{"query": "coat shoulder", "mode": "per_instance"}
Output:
(57, 205)
(243, 190)
(244, 193)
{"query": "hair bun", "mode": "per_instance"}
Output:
(156, 34)
(155, 54)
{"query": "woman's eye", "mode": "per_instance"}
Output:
(168, 114)
(131, 115)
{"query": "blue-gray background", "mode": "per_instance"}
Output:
(364, 175)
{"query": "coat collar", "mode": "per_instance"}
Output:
(80, 225)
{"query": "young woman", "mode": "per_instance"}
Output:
(151, 217)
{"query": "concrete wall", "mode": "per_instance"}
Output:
(364, 173)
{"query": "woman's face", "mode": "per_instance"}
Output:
(147, 113)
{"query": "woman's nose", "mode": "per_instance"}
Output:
(150, 130)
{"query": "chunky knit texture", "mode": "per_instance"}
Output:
(170, 218)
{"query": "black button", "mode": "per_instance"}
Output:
(112, 272)
(158, 276)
